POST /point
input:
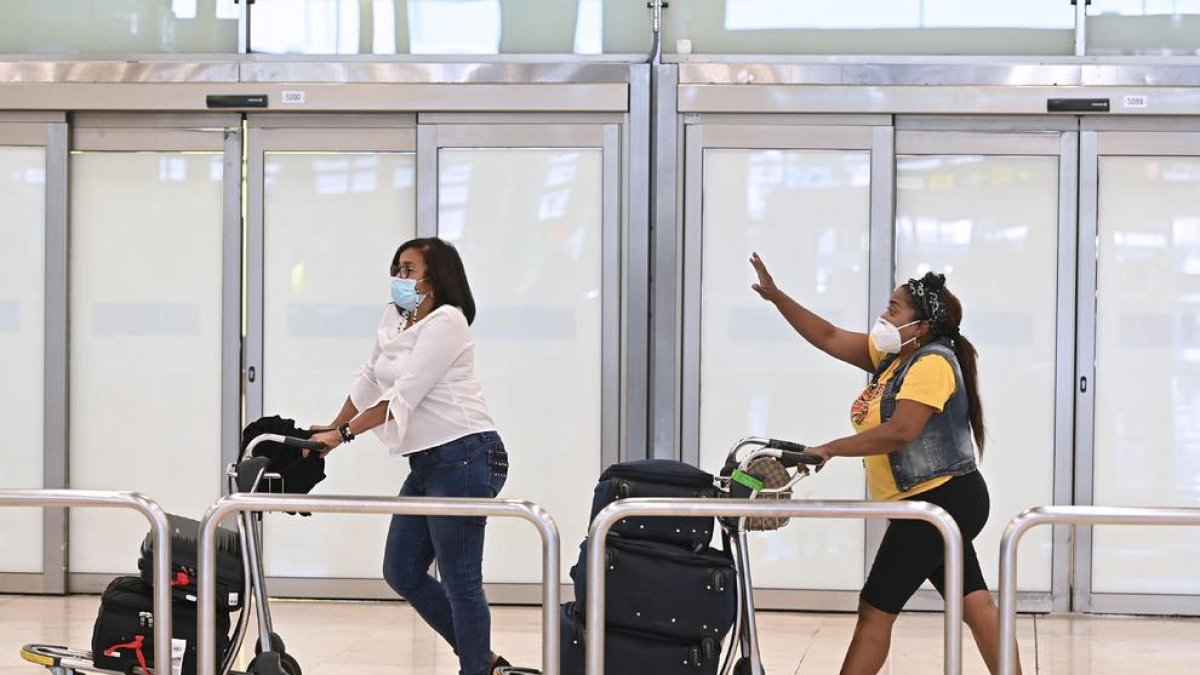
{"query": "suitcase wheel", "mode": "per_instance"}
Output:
(276, 645)
(742, 667)
(274, 663)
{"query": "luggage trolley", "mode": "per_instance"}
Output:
(756, 468)
(271, 657)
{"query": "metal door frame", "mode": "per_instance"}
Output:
(1032, 136)
(622, 432)
(157, 132)
(870, 133)
(1106, 138)
(297, 133)
(543, 131)
(49, 132)
(278, 132)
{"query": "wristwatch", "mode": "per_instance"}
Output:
(345, 433)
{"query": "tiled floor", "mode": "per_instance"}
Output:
(374, 638)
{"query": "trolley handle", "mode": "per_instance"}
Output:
(792, 454)
(304, 443)
(778, 444)
(291, 441)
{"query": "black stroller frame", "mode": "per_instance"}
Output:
(271, 658)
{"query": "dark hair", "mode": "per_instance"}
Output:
(966, 354)
(444, 271)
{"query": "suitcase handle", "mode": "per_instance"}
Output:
(624, 489)
(716, 581)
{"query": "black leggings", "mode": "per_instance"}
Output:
(912, 550)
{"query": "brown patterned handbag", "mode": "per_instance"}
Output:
(774, 475)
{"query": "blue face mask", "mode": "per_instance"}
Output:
(405, 295)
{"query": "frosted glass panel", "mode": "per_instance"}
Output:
(990, 224)
(758, 14)
(1143, 7)
(1147, 439)
(449, 27)
(871, 27)
(124, 26)
(807, 214)
(528, 225)
(1152, 27)
(22, 339)
(145, 343)
(320, 316)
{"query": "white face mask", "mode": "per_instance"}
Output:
(887, 337)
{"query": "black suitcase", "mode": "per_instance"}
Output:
(123, 636)
(629, 653)
(657, 478)
(664, 590)
(185, 542)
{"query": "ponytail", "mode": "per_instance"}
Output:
(967, 356)
(935, 303)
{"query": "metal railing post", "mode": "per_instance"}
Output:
(736, 508)
(1063, 515)
(160, 530)
(416, 506)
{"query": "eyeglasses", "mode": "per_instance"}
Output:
(402, 272)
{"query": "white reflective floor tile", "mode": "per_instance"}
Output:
(378, 638)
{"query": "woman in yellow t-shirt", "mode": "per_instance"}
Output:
(917, 424)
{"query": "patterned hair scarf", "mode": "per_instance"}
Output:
(927, 294)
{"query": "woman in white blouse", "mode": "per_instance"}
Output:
(420, 395)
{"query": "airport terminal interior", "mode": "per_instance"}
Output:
(201, 203)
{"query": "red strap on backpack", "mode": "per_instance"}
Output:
(136, 646)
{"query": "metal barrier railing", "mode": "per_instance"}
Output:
(160, 530)
(414, 506)
(1063, 515)
(737, 508)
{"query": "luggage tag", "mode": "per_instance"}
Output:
(178, 649)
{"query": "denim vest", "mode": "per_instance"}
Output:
(944, 447)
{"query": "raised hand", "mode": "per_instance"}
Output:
(765, 287)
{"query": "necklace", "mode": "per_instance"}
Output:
(411, 318)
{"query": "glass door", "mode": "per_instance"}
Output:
(1138, 387)
(32, 182)
(330, 200)
(991, 204)
(534, 209)
(155, 233)
(802, 197)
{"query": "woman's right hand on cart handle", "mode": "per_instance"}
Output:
(819, 451)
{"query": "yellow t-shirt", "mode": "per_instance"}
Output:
(929, 381)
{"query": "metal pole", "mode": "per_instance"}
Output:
(160, 530)
(1074, 515)
(736, 508)
(416, 506)
(1081, 27)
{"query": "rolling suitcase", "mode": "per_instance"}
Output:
(123, 636)
(185, 538)
(657, 478)
(628, 653)
(664, 590)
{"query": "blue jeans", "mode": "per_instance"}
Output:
(471, 466)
